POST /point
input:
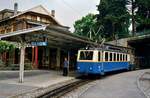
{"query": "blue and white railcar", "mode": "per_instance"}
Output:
(100, 62)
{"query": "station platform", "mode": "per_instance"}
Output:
(33, 79)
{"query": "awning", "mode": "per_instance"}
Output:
(56, 36)
(143, 40)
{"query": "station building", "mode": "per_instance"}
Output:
(39, 26)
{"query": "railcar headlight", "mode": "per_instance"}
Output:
(78, 68)
(90, 68)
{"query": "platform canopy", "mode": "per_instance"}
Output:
(56, 36)
(140, 41)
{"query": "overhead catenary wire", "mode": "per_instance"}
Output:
(68, 5)
(74, 9)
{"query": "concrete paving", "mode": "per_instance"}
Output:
(144, 83)
(34, 79)
(122, 85)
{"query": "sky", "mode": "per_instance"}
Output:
(66, 11)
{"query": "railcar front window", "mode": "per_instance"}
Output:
(86, 55)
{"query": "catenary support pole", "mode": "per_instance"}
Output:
(58, 58)
(22, 57)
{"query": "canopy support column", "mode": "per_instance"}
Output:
(36, 56)
(68, 60)
(58, 58)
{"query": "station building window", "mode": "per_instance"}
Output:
(38, 18)
(29, 17)
(34, 18)
(19, 26)
(43, 19)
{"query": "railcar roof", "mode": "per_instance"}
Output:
(103, 50)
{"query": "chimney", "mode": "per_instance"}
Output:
(53, 13)
(15, 8)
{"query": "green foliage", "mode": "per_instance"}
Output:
(143, 15)
(113, 15)
(113, 20)
(87, 27)
(83, 26)
(1, 63)
(6, 46)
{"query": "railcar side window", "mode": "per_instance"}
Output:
(123, 57)
(106, 56)
(117, 57)
(99, 56)
(86, 55)
(126, 57)
(110, 57)
(114, 57)
(120, 57)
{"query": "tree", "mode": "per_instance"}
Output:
(6, 47)
(87, 27)
(143, 15)
(114, 17)
(140, 13)
(132, 10)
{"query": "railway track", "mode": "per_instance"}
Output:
(61, 91)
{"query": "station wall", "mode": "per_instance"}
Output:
(42, 57)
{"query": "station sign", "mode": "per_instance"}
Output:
(39, 43)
